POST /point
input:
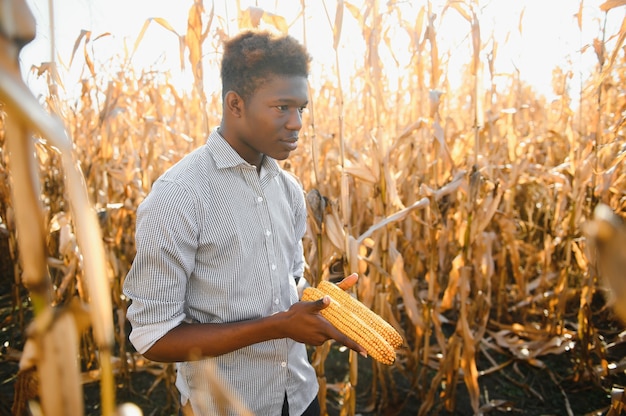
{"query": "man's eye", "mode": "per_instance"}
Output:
(301, 110)
(283, 107)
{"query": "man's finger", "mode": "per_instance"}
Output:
(348, 281)
(349, 343)
(322, 302)
(335, 334)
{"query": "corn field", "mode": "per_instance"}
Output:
(463, 211)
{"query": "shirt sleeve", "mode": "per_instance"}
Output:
(166, 240)
(300, 215)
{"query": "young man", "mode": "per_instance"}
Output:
(219, 246)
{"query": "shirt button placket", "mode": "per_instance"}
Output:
(268, 234)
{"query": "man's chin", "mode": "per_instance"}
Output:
(281, 155)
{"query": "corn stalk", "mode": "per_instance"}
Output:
(60, 387)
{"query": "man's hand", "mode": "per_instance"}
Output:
(307, 325)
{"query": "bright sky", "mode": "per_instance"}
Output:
(550, 35)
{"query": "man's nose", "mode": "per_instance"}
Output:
(295, 120)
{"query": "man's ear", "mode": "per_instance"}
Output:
(234, 103)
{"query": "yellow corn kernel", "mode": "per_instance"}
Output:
(353, 327)
(377, 323)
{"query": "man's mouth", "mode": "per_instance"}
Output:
(291, 143)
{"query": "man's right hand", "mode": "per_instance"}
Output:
(307, 325)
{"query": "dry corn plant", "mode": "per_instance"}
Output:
(461, 210)
(487, 205)
(52, 346)
(606, 233)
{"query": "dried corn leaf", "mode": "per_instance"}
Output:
(252, 17)
(353, 253)
(55, 340)
(163, 23)
(459, 7)
(391, 186)
(468, 354)
(617, 48)
(398, 216)
(450, 292)
(476, 44)
(529, 350)
(497, 405)
(607, 238)
(579, 15)
(434, 52)
(405, 288)
(452, 186)
(51, 69)
(83, 34)
(361, 171)
(439, 135)
(487, 211)
(194, 39)
(249, 18)
(17, 22)
(277, 21)
(338, 24)
(618, 402)
(28, 208)
(333, 228)
(611, 4)
(356, 13)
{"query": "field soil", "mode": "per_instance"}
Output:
(518, 389)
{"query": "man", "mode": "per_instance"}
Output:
(219, 246)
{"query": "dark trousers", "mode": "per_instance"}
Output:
(312, 410)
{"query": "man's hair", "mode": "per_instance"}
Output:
(252, 57)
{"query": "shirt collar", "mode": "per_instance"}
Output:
(226, 157)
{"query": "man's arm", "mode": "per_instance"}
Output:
(302, 323)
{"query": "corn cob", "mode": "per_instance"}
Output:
(370, 318)
(353, 327)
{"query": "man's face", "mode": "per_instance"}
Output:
(272, 118)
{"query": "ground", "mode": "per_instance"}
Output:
(520, 389)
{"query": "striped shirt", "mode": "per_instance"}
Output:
(216, 243)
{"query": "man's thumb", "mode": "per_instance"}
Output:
(322, 303)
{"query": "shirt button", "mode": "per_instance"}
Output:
(283, 364)
(259, 199)
(276, 301)
(268, 233)
(273, 267)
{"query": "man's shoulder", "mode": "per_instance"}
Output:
(292, 186)
(290, 179)
(190, 166)
(183, 177)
